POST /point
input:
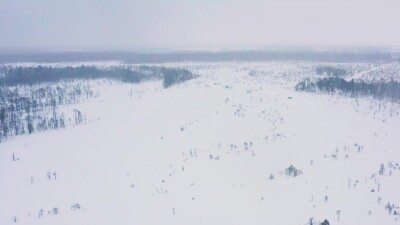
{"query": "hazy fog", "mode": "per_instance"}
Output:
(203, 24)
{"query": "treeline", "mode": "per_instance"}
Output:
(378, 89)
(35, 109)
(41, 74)
(344, 55)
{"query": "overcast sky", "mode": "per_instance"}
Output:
(197, 24)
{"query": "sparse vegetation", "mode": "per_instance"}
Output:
(25, 110)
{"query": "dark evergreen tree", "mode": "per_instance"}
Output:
(325, 222)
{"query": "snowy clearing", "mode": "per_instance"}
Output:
(212, 150)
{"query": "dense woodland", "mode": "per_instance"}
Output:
(30, 96)
(389, 90)
(40, 74)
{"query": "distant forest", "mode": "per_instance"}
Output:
(389, 90)
(40, 74)
(362, 55)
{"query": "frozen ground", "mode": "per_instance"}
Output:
(210, 151)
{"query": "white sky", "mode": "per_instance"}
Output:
(203, 24)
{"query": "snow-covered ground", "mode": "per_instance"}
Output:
(209, 151)
(386, 71)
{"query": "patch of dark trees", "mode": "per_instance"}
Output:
(40, 74)
(174, 76)
(312, 221)
(389, 90)
(293, 171)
